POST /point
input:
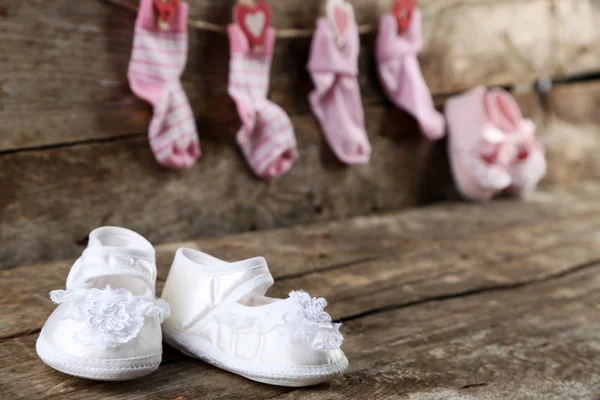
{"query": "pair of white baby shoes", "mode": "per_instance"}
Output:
(108, 322)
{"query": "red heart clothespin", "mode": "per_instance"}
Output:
(403, 10)
(254, 20)
(166, 10)
(340, 14)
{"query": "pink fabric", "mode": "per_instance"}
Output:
(157, 62)
(491, 147)
(336, 100)
(266, 137)
(401, 75)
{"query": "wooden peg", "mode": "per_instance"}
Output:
(165, 10)
(340, 14)
(403, 11)
(254, 18)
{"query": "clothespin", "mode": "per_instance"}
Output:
(254, 18)
(403, 10)
(165, 10)
(339, 14)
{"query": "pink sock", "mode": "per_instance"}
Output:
(336, 99)
(157, 62)
(266, 137)
(401, 75)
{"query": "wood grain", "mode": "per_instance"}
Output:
(61, 193)
(413, 247)
(514, 320)
(62, 64)
(569, 121)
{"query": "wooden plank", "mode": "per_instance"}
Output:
(423, 251)
(538, 341)
(469, 345)
(194, 379)
(65, 192)
(63, 64)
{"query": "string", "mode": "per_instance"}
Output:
(210, 27)
(426, 10)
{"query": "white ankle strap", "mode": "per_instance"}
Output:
(114, 251)
(206, 264)
(198, 283)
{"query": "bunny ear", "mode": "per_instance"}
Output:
(503, 110)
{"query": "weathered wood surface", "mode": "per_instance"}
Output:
(569, 122)
(449, 302)
(63, 64)
(50, 199)
(421, 238)
(62, 192)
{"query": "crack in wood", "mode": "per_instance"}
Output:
(73, 143)
(19, 335)
(392, 307)
(472, 292)
(330, 267)
(383, 255)
(474, 385)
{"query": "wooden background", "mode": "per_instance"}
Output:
(74, 153)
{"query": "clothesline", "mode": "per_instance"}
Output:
(431, 8)
(210, 27)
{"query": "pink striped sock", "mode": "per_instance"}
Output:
(266, 137)
(157, 62)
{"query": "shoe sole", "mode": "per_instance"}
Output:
(286, 375)
(95, 369)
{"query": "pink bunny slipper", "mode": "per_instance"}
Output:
(491, 147)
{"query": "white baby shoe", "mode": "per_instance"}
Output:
(107, 324)
(220, 315)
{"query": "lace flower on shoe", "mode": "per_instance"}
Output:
(112, 317)
(311, 324)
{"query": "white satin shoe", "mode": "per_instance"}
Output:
(107, 324)
(220, 315)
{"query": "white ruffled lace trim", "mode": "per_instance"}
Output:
(112, 316)
(300, 317)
